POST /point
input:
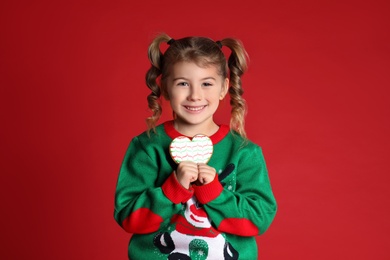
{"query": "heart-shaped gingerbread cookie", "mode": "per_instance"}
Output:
(198, 150)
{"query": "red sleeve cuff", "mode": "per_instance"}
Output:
(208, 192)
(175, 192)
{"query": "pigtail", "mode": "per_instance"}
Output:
(152, 75)
(237, 63)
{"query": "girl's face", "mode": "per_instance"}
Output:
(194, 93)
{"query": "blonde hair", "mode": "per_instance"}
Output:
(204, 52)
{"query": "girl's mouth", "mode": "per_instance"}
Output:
(198, 108)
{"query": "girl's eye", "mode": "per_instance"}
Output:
(182, 84)
(207, 84)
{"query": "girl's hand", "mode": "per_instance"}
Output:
(206, 174)
(186, 173)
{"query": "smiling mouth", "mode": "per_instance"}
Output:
(195, 108)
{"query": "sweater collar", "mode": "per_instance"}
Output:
(215, 138)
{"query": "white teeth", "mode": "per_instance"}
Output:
(195, 108)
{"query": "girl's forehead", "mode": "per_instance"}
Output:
(193, 64)
(189, 66)
(193, 68)
(200, 61)
(181, 65)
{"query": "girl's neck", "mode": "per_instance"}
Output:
(190, 130)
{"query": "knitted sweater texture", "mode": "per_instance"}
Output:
(218, 220)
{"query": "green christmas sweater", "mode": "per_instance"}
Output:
(218, 220)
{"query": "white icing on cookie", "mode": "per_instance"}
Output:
(198, 150)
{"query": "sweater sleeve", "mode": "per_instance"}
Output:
(251, 207)
(141, 205)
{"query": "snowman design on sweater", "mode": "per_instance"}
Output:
(193, 237)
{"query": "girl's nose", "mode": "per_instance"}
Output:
(195, 94)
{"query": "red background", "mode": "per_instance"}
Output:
(73, 95)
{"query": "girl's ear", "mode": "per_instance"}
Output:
(224, 90)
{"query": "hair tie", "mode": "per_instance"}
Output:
(171, 41)
(219, 43)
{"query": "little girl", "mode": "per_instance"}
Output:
(190, 210)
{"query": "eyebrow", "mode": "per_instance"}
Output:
(183, 78)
